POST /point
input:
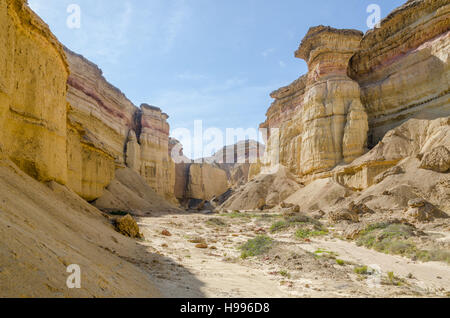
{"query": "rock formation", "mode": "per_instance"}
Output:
(75, 129)
(106, 131)
(211, 177)
(206, 182)
(357, 89)
(414, 138)
(320, 116)
(403, 68)
(33, 75)
(157, 167)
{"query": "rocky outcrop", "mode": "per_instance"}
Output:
(263, 192)
(33, 75)
(437, 160)
(106, 131)
(403, 68)
(413, 138)
(74, 129)
(357, 89)
(206, 182)
(100, 118)
(236, 160)
(334, 121)
(129, 192)
(246, 151)
(320, 117)
(157, 167)
(211, 177)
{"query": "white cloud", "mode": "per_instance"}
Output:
(174, 25)
(282, 64)
(268, 52)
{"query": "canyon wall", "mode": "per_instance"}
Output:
(100, 119)
(107, 132)
(357, 89)
(320, 117)
(33, 75)
(403, 67)
(211, 177)
(62, 121)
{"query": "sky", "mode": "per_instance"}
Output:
(210, 60)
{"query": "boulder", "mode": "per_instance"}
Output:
(437, 160)
(343, 215)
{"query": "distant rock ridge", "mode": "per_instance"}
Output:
(209, 178)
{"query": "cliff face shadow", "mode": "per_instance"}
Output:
(170, 278)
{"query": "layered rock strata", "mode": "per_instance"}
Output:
(157, 167)
(357, 89)
(106, 131)
(320, 117)
(403, 68)
(33, 75)
(206, 182)
(227, 168)
(73, 129)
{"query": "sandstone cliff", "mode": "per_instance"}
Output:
(227, 168)
(358, 88)
(71, 129)
(403, 67)
(106, 131)
(33, 75)
(320, 116)
(48, 148)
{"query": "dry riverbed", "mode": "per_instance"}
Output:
(204, 260)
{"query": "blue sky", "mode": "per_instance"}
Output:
(210, 60)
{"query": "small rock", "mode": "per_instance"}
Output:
(422, 211)
(343, 215)
(260, 231)
(166, 233)
(352, 231)
(201, 245)
(360, 208)
(261, 204)
(199, 240)
(318, 215)
(417, 203)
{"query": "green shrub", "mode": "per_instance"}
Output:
(216, 222)
(303, 233)
(391, 279)
(340, 262)
(397, 239)
(361, 270)
(257, 246)
(297, 221)
(285, 273)
(278, 226)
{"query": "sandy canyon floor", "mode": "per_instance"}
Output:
(200, 257)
